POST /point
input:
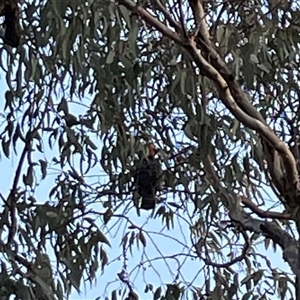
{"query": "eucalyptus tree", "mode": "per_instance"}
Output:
(213, 85)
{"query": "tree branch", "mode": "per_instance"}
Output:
(230, 92)
(288, 245)
(265, 214)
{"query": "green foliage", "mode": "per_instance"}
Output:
(92, 83)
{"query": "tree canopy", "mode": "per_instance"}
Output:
(214, 86)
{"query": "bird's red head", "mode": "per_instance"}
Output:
(152, 150)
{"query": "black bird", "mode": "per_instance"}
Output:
(147, 178)
(12, 29)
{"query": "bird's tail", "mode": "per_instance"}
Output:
(148, 202)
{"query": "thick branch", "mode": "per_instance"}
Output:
(238, 215)
(243, 117)
(151, 20)
(288, 245)
(202, 38)
(265, 214)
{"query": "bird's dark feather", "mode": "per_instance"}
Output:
(12, 33)
(146, 180)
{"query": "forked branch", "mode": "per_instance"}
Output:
(207, 59)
